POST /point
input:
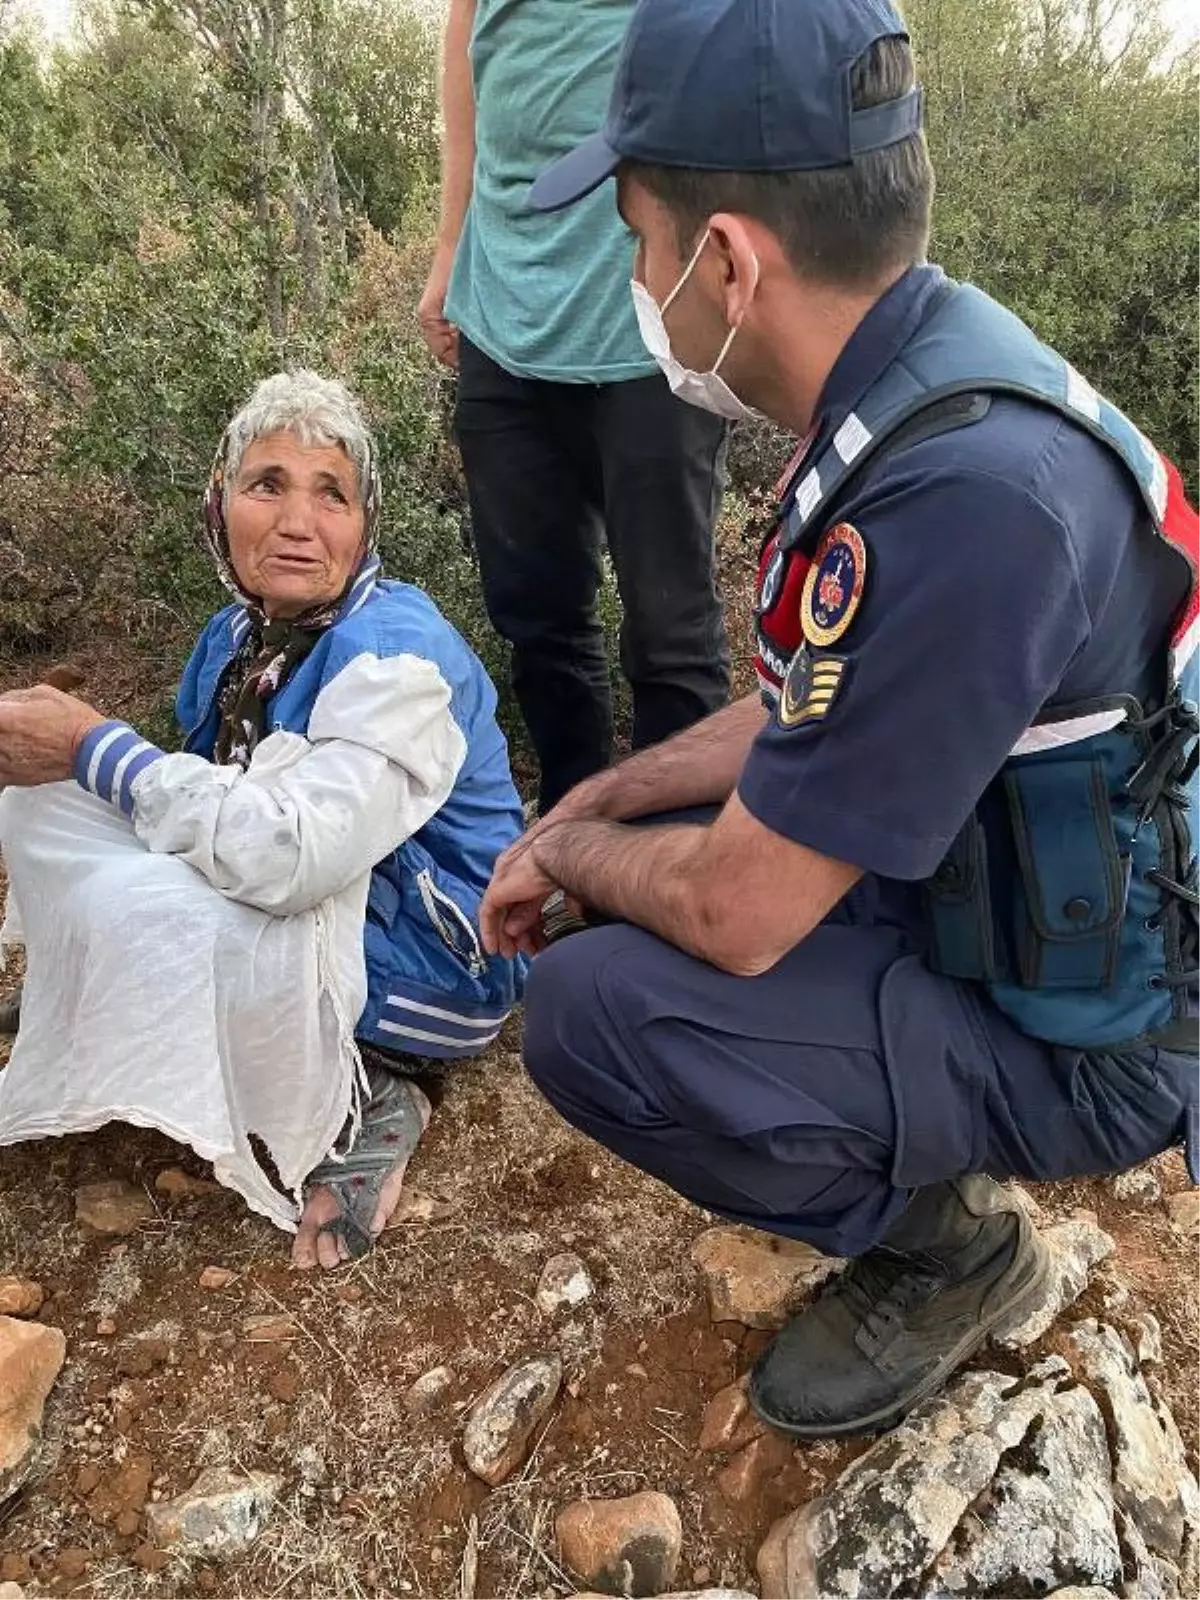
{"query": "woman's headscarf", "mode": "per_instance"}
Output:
(272, 648)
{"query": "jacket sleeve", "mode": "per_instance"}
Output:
(309, 814)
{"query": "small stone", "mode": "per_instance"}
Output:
(127, 1523)
(745, 1475)
(72, 1562)
(86, 1479)
(216, 1278)
(273, 1328)
(105, 1328)
(349, 1293)
(112, 1206)
(416, 1205)
(20, 1297)
(11, 1591)
(222, 1513)
(1139, 1186)
(757, 1278)
(15, 1568)
(141, 1357)
(1184, 1210)
(31, 1356)
(625, 1547)
(729, 1422)
(126, 1488)
(564, 1284)
(150, 1559)
(1147, 1338)
(1075, 1246)
(635, 1369)
(176, 1184)
(500, 1423)
(426, 1393)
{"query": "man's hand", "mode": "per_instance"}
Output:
(441, 336)
(40, 731)
(510, 914)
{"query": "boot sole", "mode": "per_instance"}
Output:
(889, 1416)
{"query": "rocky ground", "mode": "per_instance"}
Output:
(532, 1386)
(545, 1326)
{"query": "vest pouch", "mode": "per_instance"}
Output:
(1069, 900)
(958, 895)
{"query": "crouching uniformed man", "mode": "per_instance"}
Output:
(943, 929)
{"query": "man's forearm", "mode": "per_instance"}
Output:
(458, 122)
(698, 767)
(639, 875)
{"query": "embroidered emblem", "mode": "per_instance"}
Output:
(834, 586)
(772, 581)
(810, 687)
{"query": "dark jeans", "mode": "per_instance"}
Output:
(553, 471)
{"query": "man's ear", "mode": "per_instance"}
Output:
(738, 263)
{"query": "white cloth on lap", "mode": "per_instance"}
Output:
(152, 998)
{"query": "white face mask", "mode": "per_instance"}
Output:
(707, 390)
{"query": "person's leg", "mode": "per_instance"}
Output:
(851, 1098)
(537, 530)
(663, 463)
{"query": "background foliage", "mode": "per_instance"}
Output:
(195, 192)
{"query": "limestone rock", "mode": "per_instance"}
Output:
(11, 1591)
(757, 1278)
(427, 1391)
(1184, 1210)
(894, 1522)
(1087, 1591)
(1152, 1483)
(417, 1205)
(1075, 1246)
(1140, 1185)
(219, 1515)
(1048, 1520)
(112, 1206)
(626, 1547)
(729, 1422)
(564, 1284)
(31, 1356)
(216, 1278)
(1146, 1331)
(501, 1422)
(742, 1478)
(20, 1297)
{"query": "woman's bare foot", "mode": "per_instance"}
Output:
(333, 1225)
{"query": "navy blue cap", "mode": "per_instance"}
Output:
(737, 86)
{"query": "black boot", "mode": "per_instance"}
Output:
(10, 1013)
(894, 1326)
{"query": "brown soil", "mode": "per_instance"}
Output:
(376, 1501)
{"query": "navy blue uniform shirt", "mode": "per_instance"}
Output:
(1007, 565)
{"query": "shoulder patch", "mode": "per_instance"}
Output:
(810, 688)
(833, 588)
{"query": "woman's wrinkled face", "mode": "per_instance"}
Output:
(295, 523)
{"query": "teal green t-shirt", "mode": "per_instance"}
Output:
(545, 296)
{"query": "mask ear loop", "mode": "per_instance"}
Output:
(724, 350)
(687, 272)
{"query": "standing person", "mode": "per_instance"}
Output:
(943, 929)
(570, 436)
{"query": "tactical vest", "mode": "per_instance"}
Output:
(1071, 892)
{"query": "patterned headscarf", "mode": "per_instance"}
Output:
(272, 648)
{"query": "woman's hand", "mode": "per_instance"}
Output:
(40, 731)
(439, 334)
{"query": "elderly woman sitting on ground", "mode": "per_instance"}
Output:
(261, 944)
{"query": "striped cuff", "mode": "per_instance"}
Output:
(110, 758)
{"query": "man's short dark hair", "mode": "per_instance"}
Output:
(852, 226)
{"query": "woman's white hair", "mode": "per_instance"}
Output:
(313, 409)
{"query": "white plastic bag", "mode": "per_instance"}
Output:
(150, 998)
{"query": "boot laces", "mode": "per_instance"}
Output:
(882, 1288)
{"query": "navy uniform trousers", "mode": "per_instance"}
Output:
(811, 1101)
